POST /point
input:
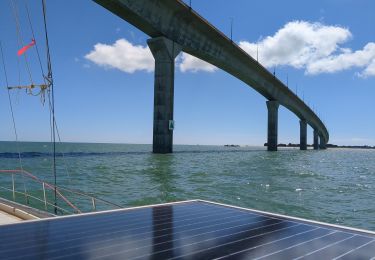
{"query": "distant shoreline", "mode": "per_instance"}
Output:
(226, 145)
(351, 146)
(329, 146)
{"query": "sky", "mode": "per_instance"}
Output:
(103, 73)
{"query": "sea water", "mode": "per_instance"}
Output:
(334, 185)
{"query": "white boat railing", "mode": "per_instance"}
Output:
(61, 193)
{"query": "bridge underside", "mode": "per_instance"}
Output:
(179, 25)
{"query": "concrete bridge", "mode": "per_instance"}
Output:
(174, 27)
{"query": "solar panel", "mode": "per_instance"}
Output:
(185, 230)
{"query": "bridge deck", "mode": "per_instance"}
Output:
(176, 21)
(188, 230)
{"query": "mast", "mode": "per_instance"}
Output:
(49, 79)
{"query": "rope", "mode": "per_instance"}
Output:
(19, 71)
(19, 37)
(50, 105)
(12, 114)
(59, 138)
(20, 44)
(36, 43)
(49, 78)
(63, 154)
(37, 51)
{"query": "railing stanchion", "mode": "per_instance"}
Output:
(47, 186)
(93, 203)
(13, 188)
(45, 197)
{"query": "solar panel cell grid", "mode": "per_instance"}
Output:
(188, 230)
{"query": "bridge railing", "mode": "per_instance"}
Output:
(266, 72)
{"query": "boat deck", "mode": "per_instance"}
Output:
(6, 218)
(185, 230)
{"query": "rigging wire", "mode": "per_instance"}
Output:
(19, 37)
(13, 119)
(49, 97)
(38, 54)
(63, 154)
(49, 78)
(20, 45)
(19, 71)
(27, 64)
(36, 43)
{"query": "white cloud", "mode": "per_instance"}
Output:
(125, 56)
(190, 63)
(297, 43)
(369, 71)
(346, 60)
(312, 46)
(122, 55)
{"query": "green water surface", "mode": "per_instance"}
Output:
(334, 185)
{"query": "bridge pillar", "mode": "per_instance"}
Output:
(273, 107)
(164, 52)
(316, 140)
(322, 144)
(303, 135)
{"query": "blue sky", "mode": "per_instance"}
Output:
(326, 47)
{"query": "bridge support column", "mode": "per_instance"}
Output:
(273, 107)
(322, 144)
(316, 140)
(164, 52)
(303, 135)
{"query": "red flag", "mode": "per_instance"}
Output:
(25, 48)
